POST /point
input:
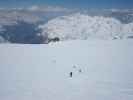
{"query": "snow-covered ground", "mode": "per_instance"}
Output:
(102, 70)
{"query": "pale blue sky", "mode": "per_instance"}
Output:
(70, 3)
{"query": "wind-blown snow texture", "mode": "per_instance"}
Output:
(81, 26)
(41, 72)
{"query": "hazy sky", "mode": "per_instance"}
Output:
(70, 3)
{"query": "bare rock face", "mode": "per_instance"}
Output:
(56, 39)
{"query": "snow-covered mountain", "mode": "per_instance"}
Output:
(81, 26)
(37, 24)
(90, 66)
(21, 25)
(10, 17)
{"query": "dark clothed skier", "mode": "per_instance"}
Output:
(71, 74)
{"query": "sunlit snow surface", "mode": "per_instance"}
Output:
(41, 72)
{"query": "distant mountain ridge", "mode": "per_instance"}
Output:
(64, 23)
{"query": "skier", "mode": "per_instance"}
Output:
(71, 74)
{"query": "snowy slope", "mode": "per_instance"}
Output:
(83, 26)
(41, 72)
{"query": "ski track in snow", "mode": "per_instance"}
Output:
(41, 72)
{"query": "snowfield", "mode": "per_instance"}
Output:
(101, 70)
